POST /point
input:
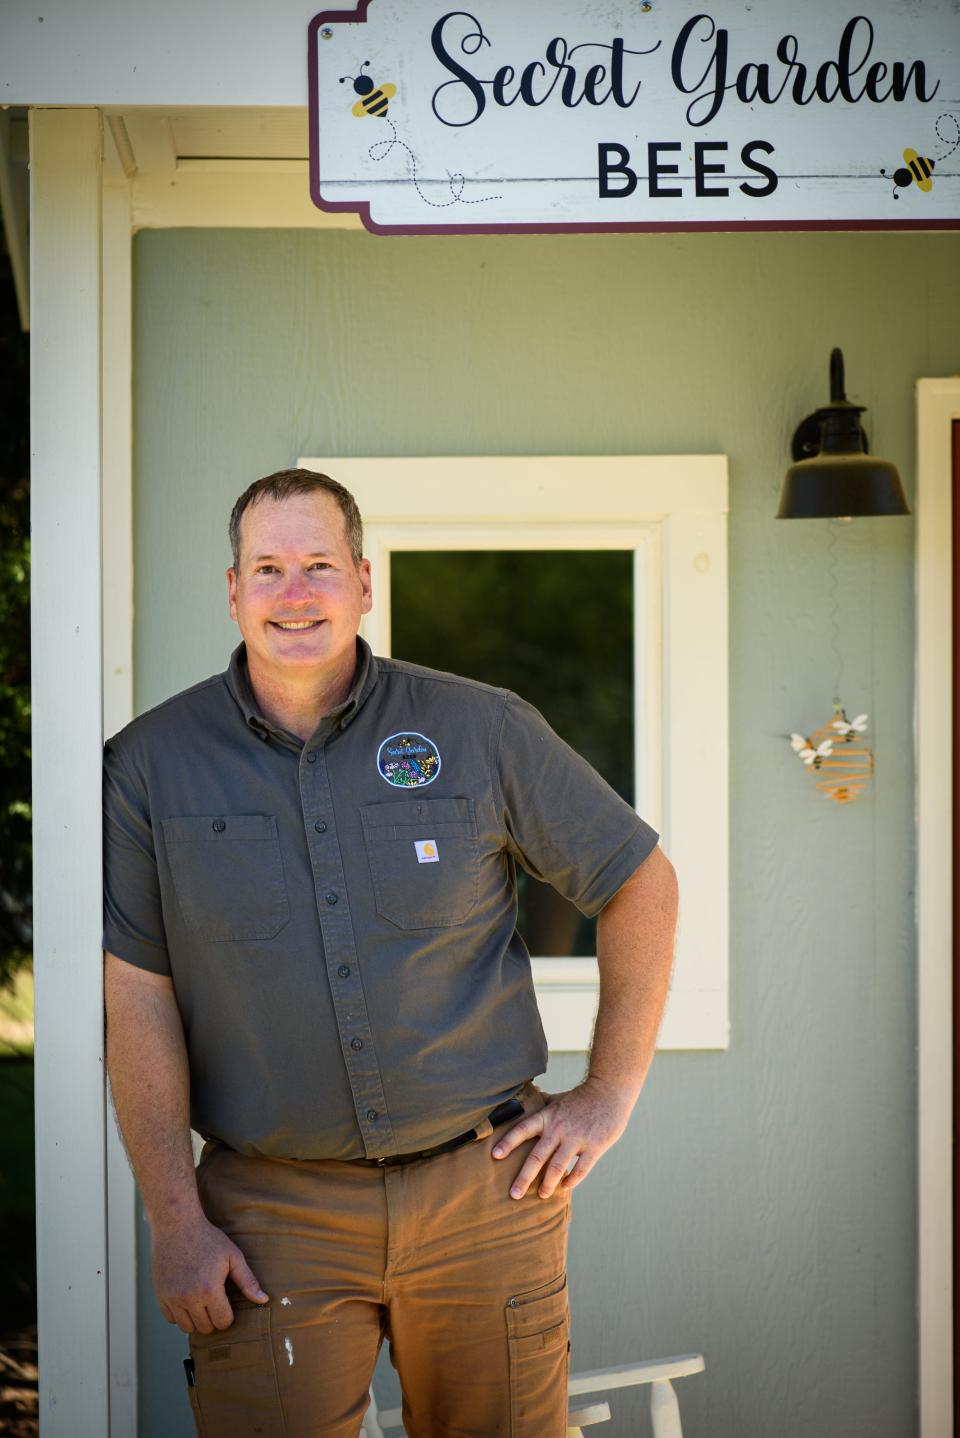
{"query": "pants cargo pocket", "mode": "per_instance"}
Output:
(538, 1332)
(189, 1368)
(235, 1393)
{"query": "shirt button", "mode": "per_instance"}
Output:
(356, 1043)
(344, 971)
(331, 898)
(311, 756)
(320, 827)
(218, 826)
(372, 1115)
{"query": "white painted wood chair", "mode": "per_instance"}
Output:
(664, 1408)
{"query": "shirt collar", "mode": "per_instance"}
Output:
(237, 680)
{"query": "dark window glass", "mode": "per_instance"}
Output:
(555, 626)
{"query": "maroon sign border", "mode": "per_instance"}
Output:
(358, 16)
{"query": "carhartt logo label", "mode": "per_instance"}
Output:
(426, 851)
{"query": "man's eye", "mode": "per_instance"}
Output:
(321, 564)
(266, 569)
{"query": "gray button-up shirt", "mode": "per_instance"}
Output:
(338, 917)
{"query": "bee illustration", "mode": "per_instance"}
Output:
(374, 99)
(918, 170)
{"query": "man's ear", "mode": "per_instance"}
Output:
(366, 583)
(232, 592)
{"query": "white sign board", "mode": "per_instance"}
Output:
(583, 115)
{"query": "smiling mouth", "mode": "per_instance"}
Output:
(296, 626)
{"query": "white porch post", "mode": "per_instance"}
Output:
(65, 211)
(118, 710)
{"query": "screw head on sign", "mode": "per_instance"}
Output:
(326, 33)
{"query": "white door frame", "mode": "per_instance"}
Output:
(938, 404)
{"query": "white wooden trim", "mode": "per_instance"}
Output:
(117, 459)
(606, 488)
(671, 510)
(938, 404)
(65, 189)
(272, 195)
(151, 139)
(117, 622)
(230, 165)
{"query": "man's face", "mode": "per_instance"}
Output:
(296, 569)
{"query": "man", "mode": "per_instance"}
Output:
(311, 956)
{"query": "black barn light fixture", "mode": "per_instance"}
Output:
(833, 476)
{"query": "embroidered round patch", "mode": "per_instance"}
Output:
(407, 761)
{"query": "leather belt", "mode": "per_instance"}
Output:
(510, 1108)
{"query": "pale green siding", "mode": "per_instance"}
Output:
(762, 1207)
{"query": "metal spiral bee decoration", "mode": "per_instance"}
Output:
(836, 754)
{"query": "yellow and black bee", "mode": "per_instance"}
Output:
(918, 170)
(374, 99)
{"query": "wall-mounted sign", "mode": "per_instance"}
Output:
(636, 114)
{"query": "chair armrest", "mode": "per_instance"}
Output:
(626, 1375)
(579, 1418)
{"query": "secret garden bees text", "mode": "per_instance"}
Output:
(702, 65)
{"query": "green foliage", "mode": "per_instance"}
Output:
(553, 625)
(15, 814)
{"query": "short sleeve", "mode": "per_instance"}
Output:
(564, 822)
(132, 913)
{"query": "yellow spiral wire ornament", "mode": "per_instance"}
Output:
(837, 756)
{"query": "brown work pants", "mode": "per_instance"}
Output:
(466, 1283)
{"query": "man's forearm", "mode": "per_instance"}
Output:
(636, 933)
(635, 938)
(149, 1076)
(147, 1060)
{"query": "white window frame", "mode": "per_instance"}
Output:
(671, 511)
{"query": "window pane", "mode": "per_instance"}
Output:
(556, 626)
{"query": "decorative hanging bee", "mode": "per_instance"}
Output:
(834, 753)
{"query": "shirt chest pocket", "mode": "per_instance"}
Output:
(228, 875)
(424, 860)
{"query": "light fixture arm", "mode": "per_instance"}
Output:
(808, 437)
(837, 391)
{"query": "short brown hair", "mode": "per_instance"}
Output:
(284, 485)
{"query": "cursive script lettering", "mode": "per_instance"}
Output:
(462, 100)
(848, 77)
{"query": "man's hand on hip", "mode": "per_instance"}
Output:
(572, 1131)
(191, 1264)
